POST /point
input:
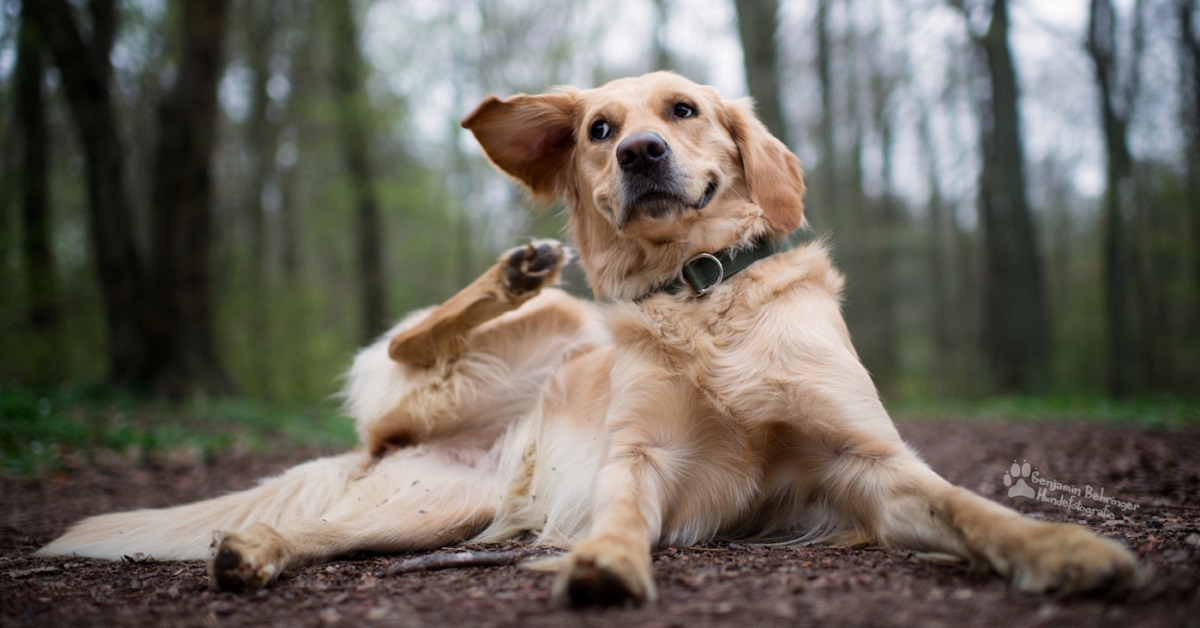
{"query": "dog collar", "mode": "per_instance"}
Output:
(705, 271)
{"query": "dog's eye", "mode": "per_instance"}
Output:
(600, 130)
(683, 110)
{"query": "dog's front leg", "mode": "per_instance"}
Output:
(516, 277)
(414, 384)
(612, 564)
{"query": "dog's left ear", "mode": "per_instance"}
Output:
(529, 137)
(773, 174)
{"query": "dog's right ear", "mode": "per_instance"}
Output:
(531, 138)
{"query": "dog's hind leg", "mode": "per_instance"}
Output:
(859, 482)
(929, 512)
(862, 480)
(901, 503)
(184, 532)
(438, 503)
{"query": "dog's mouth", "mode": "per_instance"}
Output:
(657, 201)
(710, 190)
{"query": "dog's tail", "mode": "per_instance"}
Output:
(185, 532)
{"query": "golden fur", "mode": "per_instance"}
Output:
(610, 429)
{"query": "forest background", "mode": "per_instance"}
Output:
(206, 198)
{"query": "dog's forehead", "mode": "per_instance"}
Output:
(647, 92)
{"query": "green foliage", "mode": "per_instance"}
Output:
(1157, 412)
(59, 429)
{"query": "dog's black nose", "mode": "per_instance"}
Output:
(642, 150)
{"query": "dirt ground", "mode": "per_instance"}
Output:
(1158, 471)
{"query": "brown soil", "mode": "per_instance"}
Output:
(721, 583)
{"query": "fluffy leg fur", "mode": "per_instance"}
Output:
(926, 512)
(185, 532)
(612, 563)
(411, 501)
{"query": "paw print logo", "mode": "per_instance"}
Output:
(1014, 479)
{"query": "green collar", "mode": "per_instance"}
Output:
(706, 271)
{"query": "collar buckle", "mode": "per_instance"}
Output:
(703, 273)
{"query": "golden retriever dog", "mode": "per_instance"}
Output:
(712, 391)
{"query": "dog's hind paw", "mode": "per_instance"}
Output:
(245, 561)
(529, 268)
(1068, 559)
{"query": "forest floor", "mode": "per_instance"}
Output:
(1155, 469)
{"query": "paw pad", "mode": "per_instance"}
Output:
(528, 268)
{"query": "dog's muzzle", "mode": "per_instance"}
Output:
(651, 186)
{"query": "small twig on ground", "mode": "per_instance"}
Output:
(35, 571)
(704, 548)
(433, 562)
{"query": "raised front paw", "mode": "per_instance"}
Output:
(528, 268)
(1066, 559)
(247, 560)
(605, 572)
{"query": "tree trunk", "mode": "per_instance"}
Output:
(938, 256)
(184, 359)
(43, 311)
(1189, 56)
(758, 21)
(353, 119)
(262, 140)
(1115, 104)
(1015, 324)
(663, 59)
(84, 68)
(262, 133)
(828, 177)
(297, 130)
(886, 222)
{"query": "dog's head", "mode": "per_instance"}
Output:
(654, 170)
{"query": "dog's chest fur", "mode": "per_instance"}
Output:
(741, 337)
(731, 347)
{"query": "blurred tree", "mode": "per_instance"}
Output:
(663, 59)
(84, 67)
(944, 258)
(262, 129)
(1117, 92)
(43, 307)
(855, 128)
(183, 350)
(1015, 322)
(296, 132)
(758, 24)
(884, 214)
(354, 121)
(260, 24)
(1187, 13)
(827, 170)
(159, 321)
